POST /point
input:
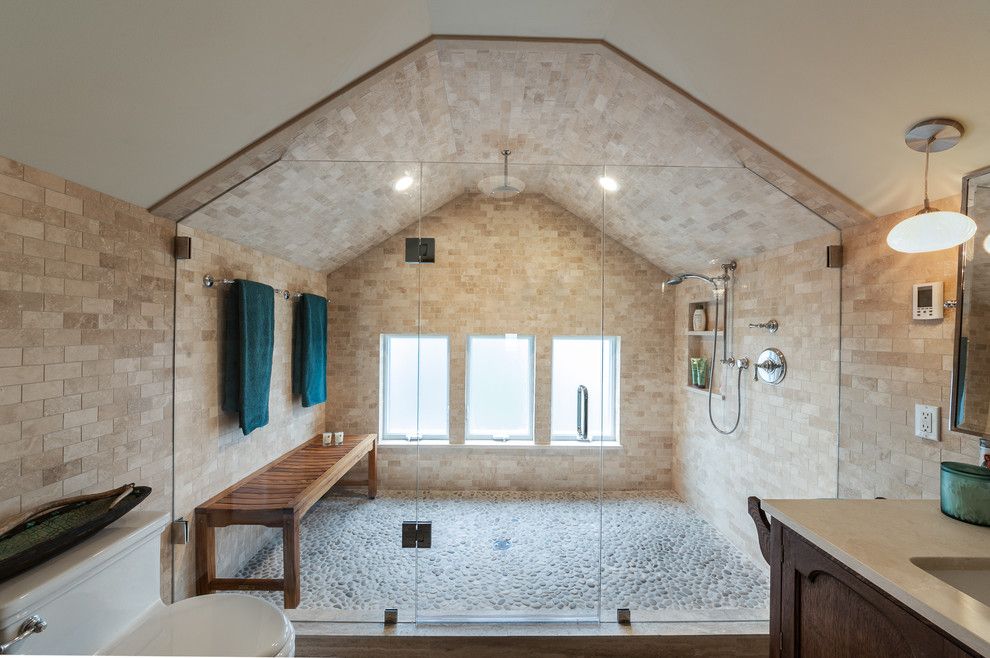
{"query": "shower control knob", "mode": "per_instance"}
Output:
(771, 366)
(768, 366)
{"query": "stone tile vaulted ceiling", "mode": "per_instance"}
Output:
(692, 187)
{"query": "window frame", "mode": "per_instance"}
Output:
(384, 358)
(615, 374)
(531, 435)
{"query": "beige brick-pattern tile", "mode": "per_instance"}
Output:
(890, 362)
(462, 101)
(211, 452)
(785, 446)
(53, 403)
(527, 267)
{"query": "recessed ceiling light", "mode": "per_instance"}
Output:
(986, 244)
(608, 183)
(403, 184)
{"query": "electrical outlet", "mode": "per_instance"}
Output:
(926, 421)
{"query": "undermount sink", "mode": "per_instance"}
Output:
(971, 576)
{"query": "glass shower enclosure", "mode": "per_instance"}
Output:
(544, 451)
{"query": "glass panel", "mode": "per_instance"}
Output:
(580, 361)
(339, 233)
(500, 387)
(678, 543)
(515, 515)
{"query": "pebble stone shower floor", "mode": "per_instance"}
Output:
(528, 553)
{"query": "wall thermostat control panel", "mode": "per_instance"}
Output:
(927, 301)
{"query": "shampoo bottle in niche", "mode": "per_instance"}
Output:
(699, 321)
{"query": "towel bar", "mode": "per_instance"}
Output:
(209, 282)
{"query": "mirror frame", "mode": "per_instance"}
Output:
(960, 292)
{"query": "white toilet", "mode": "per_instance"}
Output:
(103, 597)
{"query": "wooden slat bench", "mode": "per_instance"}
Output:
(277, 496)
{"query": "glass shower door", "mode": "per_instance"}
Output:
(509, 486)
(679, 544)
(351, 564)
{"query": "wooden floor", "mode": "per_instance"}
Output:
(495, 642)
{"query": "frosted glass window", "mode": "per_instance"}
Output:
(592, 361)
(408, 413)
(500, 387)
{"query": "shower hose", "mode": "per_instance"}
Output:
(711, 372)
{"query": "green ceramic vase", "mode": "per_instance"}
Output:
(965, 492)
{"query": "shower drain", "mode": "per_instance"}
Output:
(502, 544)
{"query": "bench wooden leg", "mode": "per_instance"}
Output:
(373, 471)
(290, 560)
(206, 562)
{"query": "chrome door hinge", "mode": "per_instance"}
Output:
(180, 531)
(417, 535)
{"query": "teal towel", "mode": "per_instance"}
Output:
(249, 336)
(309, 350)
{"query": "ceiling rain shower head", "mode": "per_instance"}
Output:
(502, 187)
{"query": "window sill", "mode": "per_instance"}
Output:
(481, 443)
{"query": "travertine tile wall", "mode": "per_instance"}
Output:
(785, 446)
(528, 267)
(211, 453)
(85, 343)
(86, 358)
(463, 100)
(889, 363)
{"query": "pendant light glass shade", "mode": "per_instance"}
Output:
(931, 231)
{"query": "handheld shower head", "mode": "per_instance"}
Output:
(680, 278)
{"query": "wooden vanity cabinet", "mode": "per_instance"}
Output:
(820, 607)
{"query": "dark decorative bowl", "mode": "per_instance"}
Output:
(46, 535)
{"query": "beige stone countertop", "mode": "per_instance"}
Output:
(878, 538)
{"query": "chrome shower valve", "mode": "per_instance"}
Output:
(771, 366)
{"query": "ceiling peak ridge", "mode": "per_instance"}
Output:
(752, 153)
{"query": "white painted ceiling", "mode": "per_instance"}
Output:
(136, 97)
(831, 84)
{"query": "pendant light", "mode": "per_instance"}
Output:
(502, 187)
(932, 229)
